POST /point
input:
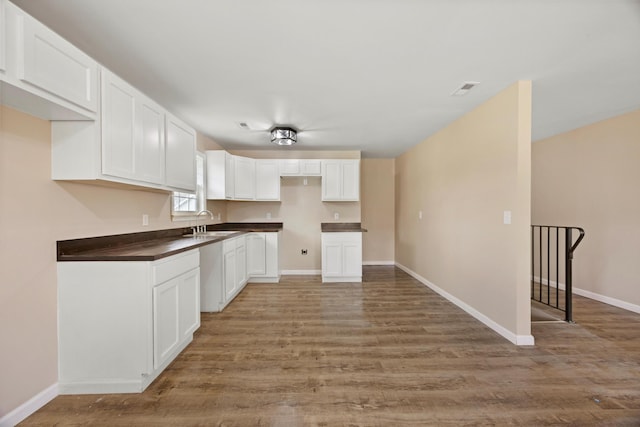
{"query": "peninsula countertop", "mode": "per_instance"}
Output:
(341, 227)
(151, 245)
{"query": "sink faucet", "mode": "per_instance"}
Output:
(201, 228)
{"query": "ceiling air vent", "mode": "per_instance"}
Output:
(466, 87)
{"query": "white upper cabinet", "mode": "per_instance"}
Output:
(46, 76)
(150, 149)
(180, 155)
(267, 180)
(220, 175)
(245, 178)
(300, 167)
(241, 178)
(133, 141)
(119, 127)
(340, 180)
(132, 133)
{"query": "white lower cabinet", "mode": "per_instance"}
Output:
(120, 323)
(234, 266)
(342, 257)
(227, 266)
(262, 257)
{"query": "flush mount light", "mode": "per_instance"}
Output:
(464, 88)
(283, 136)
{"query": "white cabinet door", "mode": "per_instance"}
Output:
(180, 155)
(244, 178)
(342, 257)
(241, 262)
(118, 127)
(341, 180)
(267, 180)
(149, 153)
(166, 328)
(310, 167)
(352, 259)
(229, 176)
(256, 254)
(188, 303)
(230, 282)
(332, 258)
(49, 62)
(289, 167)
(332, 180)
(351, 180)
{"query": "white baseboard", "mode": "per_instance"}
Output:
(378, 263)
(29, 407)
(608, 300)
(594, 296)
(301, 272)
(515, 339)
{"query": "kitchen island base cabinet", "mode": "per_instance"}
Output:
(121, 323)
(342, 257)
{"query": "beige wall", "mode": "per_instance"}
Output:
(463, 179)
(35, 212)
(589, 178)
(377, 192)
(300, 209)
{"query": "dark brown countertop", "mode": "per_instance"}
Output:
(150, 245)
(341, 227)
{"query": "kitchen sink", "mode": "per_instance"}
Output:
(211, 234)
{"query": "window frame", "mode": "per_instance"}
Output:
(200, 194)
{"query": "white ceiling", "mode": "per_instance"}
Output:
(369, 75)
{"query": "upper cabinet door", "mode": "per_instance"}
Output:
(351, 180)
(149, 153)
(341, 180)
(267, 180)
(245, 172)
(180, 155)
(331, 180)
(49, 62)
(118, 127)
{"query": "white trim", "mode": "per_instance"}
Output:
(30, 406)
(594, 296)
(342, 279)
(608, 300)
(378, 263)
(515, 339)
(301, 272)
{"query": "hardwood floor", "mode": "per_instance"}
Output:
(386, 352)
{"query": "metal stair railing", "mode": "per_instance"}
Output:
(547, 244)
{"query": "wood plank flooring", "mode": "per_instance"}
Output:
(387, 352)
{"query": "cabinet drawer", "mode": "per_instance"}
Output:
(168, 268)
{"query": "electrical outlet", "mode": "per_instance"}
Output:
(268, 215)
(336, 216)
(303, 251)
(419, 214)
(145, 219)
(305, 182)
(218, 216)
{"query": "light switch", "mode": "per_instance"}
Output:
(268, 215)
(506, 217)
(419, 214)
(145, 219)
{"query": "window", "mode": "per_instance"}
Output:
(187, 205)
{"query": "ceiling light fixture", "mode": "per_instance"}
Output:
(283, 136)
